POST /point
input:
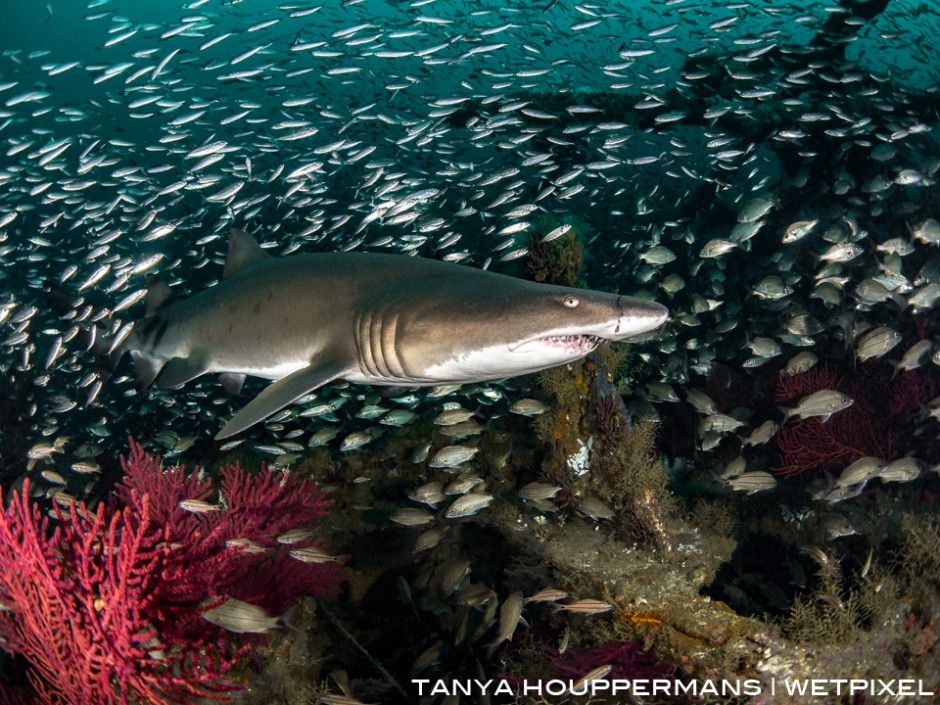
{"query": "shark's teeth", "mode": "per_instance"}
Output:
(580, 344)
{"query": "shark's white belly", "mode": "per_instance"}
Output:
(276, 371)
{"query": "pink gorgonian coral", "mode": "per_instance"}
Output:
(106, 605)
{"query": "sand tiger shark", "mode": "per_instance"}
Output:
(387, 320)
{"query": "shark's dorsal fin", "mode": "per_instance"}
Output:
(242, 251)
(282, 393)
(158, 294)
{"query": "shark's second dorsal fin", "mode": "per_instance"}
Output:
(242, 251)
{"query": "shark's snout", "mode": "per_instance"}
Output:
(638, 316)
(657, 315)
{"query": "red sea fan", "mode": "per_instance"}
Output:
(790, 388)
(809, 445)
(258, 507)
(81, 605)
(144, 475)
(813, 445)
(107, 607)
(269, 500)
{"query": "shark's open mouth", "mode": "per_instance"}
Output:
(576, 344)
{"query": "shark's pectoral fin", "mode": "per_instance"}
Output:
(181, 370)
(232, 382)
(280, 394)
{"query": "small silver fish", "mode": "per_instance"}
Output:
(916, 355)
(660, 391)
(836, 526)
(547, 595)
(736, 467)
(595, 674)
(528, 407)
(754, 481)
(452, 574)
(198, 506)
(293, 536)
(718, 423)
(468, 505)
(420, 452)
(539, 491)
(701, 401)
(927, 231)
(762, 433)
(800, 363)
(585, 606)
(510, 612)
(311, 554)
(716, 248)
(411, 516)
(398, 418)
(240, 617)
(41, 451)
(594, 508)
(841, 252)
(247, 546)
(354, 441)
(431, 493)
(452, 456)
(462, 484)
(556, 233)
(658, 255)
(860, 471)
(53, 477)
(798, 230)
(901, 470)
(449, 417)
(322, 437)
(877, 342)
(85, 467)
(824, 403)
(461, 430)
(430, 538)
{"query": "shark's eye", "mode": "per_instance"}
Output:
(571, 301)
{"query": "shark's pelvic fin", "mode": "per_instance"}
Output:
(243, 250)
(232, 382)
(283, 393)
(181, 370)
(146, 369)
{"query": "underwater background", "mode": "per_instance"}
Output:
(746, 496)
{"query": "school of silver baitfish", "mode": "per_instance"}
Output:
(450, 133)
(768, 172)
